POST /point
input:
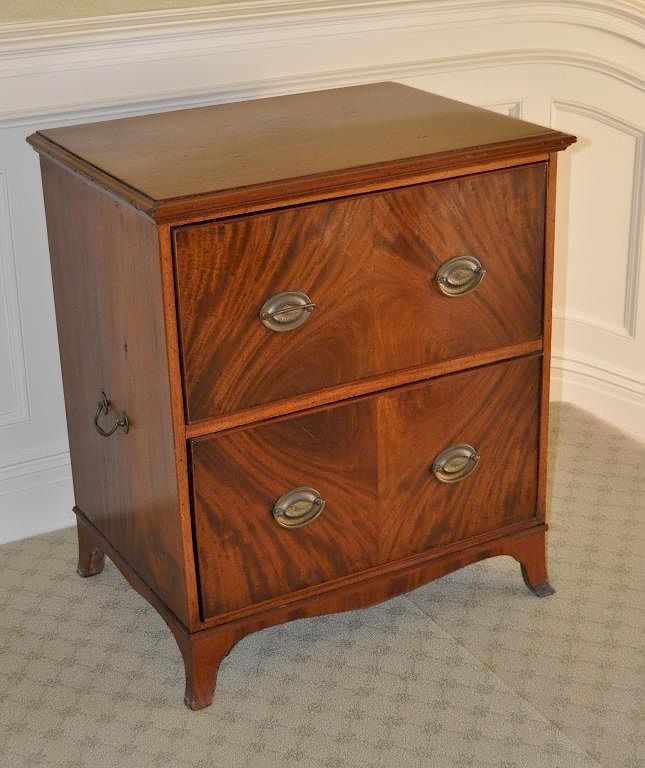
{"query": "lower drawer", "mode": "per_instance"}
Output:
(304, 500)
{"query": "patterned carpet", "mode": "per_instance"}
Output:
(471, 670)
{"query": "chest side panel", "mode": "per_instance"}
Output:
(109, 313)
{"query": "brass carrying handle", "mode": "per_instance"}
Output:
(455, 463)
(286, 311)
(104, 407)
(298, 507)
(460, 276)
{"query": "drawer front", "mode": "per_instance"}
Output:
(494, 410)
(245, 555)
(371, 462)
(369, 264)
(497, 218)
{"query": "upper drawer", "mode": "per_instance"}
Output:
(370, 266)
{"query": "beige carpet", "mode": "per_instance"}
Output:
(471, 670)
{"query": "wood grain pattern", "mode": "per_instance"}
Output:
(109, 312)
(497, 217)
(494, 409)
(226, 271)
(168, 232)
(245, 557)
(175, 385)
(369, 264)
(370, 460)
(269, 146)
(352, 389)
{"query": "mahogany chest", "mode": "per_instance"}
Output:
(305, 351)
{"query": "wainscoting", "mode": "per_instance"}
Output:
(572, 64)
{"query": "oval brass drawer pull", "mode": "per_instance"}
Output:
(455, 463)
(104, 407)
(286, 311)
(298, 507)
(459, 276)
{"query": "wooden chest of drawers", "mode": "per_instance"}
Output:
(312, 333)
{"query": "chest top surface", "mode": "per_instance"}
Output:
(355, 132)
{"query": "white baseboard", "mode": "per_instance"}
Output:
(36, 496)
(614, 397)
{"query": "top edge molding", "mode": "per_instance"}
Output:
(177, 211)
(27, 35)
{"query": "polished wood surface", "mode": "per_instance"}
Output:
(269, 147)
(370, 460)
(497, 217)
(225, 273)
(168, 232)
(369, 264)
(220, 205)
(495, 410)
(351, 389)
(245, 557)
(109, 312)
(184, 508)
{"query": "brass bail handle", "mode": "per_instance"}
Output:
(455, 463)
(298, 507)
(460, 276)
(104, 407)
(286, 311)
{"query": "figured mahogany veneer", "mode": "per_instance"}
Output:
(168, 233)
(369, 264)
(244, 556)
(370, 460)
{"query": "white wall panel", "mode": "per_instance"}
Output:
(603, 218)
(14, 398)
(575, 64)
(599, 329)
